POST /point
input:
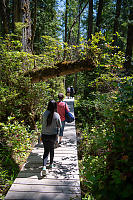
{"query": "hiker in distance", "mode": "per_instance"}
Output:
(50, 123)
(61, 106)
(68, 92)
(71, 92)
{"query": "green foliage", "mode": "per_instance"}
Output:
(104, 116)
(106, 167)
(17, 136)
(53, 50)
(103, 95)
(15, 142)
(21, 105)
(18, 28)
(5, 181)
(16, 90)
(106, 57)
(47, 22)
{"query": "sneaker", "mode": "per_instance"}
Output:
(43, 172)
(56, 145)
(60, 142)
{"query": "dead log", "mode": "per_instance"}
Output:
(60, 69)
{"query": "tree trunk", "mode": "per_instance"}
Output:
(21, 13)
(17, 12)
(116, 23)
(90, 19)
(60, 69)
(90, 27)
(75, 21)
(5, 16)
(129, 48)
(66, 25)
(34, 25)
(16, 17)
(26, 19)
(79, 11)
(99, 14)
(66, 29)
(78, 37)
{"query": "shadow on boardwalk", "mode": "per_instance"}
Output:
(61, 182)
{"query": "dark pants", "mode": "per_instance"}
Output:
(48, 143)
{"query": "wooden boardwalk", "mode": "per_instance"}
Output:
(61, 182)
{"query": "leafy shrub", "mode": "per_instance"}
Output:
(16, 142)
(106, 147)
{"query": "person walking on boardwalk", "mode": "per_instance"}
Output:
(71, 92)
(68, 92)
(50, 123)
(61, 106)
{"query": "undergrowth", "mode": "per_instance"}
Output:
(105, 146)
(16, 144)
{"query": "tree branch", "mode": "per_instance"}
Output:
(75, 21)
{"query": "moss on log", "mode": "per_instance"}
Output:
(60, 69)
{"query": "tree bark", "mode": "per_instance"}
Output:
(90, 19)
(17, 12)
(129, 47)
(78, 39)
(60, 69)
(79, 19)
(116, 23)
(34, 25)
(26, 19)
(99, 14)
(66, 11)
(90, 27)
(66, 28)
(16, 17)
(5, 17)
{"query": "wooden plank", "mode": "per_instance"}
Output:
(57, 161)
(59, 149)
(64, 169)
(38, 159)
(56, 152)
(41, 196)
(63, 147)
(50, 175)
(57, 165)
(44, 181)
(43, 188)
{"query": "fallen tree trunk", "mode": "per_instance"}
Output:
(60, 69)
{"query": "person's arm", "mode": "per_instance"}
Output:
(59, 124)
(67, 108)
(42, 123)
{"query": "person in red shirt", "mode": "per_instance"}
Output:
(61, 111)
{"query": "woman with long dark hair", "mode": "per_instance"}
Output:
(50, 123)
